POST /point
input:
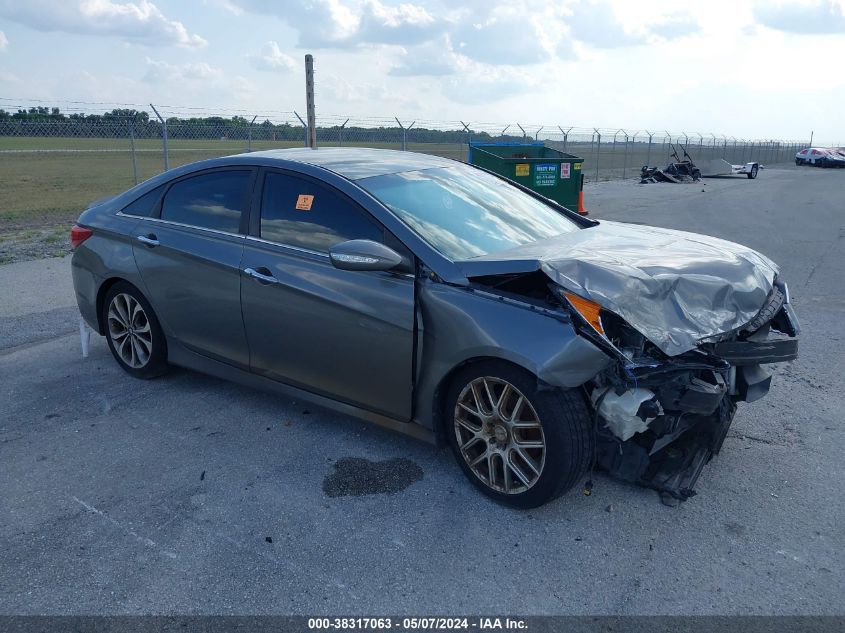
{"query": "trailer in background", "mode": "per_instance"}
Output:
(721, 167)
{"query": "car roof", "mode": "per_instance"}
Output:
(353, 163)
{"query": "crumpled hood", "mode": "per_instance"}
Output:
(674, 287)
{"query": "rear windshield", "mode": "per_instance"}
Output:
(464, 212)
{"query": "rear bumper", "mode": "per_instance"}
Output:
(85, 286)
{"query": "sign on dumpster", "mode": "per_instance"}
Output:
(564, 171)
(545, 175)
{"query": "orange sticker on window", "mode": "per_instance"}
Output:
(303, 202)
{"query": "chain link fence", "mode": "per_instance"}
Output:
(54, 166)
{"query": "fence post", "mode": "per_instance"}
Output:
(340, 132)
(163, 136)
(524, 135)
(132, 148)
(469, 137)
(598, 150)
(504, 130)
(565, 137)
(304, 125)
(404, 132)
(613, 147)
(249, 132)
(625, 159)
(648, 154)
(310, 110)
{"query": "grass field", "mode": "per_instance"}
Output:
(43, 180)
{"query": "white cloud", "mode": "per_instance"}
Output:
(10, 78)
(488, 32)
(818, 17)
(502, 38)
(487, 84)
(337, 24)
(596, 24)
(271, 58)
(675, 25)
(4, 42)
(320, 23)
(406, 24)
(161, 72)
(196, 82)
(433, 59)
(140, 22)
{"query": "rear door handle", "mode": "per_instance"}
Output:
(264, 278)
(150, 240)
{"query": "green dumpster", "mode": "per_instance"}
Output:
(547, 171)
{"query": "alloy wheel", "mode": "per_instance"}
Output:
(129, 330)
(499, 435)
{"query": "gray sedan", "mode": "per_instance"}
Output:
(440, 300)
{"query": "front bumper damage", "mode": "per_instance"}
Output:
(659, 420)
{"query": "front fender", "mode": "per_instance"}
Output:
(460, 325)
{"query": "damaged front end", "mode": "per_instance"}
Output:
(660, 418)
(692, 323)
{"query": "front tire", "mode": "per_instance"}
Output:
(753, 173)
(520, 443)
(133, 332)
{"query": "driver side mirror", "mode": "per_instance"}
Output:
(363, 255)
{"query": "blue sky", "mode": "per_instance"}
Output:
(750, 69)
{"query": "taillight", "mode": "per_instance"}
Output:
(79, 234)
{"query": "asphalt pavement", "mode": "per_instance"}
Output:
(190, 495)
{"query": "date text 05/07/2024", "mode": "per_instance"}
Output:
(418, 623)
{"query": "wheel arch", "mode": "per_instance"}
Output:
(440, 419)
(102, 291)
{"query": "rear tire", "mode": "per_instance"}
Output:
(518, 442)
(753, 173)
(133, 332)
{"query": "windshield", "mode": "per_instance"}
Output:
(464, 212)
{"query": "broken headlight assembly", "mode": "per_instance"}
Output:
(609, 331)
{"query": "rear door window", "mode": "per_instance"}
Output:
(303, 213)
(214, 200)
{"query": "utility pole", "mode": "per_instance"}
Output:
(310, 112)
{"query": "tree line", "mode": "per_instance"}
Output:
(123, 123)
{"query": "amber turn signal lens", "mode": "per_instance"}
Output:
(587, 309)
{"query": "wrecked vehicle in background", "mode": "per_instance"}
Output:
(443, 301)
(685, 170)
(681, 170)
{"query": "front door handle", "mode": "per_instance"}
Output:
(262, 277)
(150, 240)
